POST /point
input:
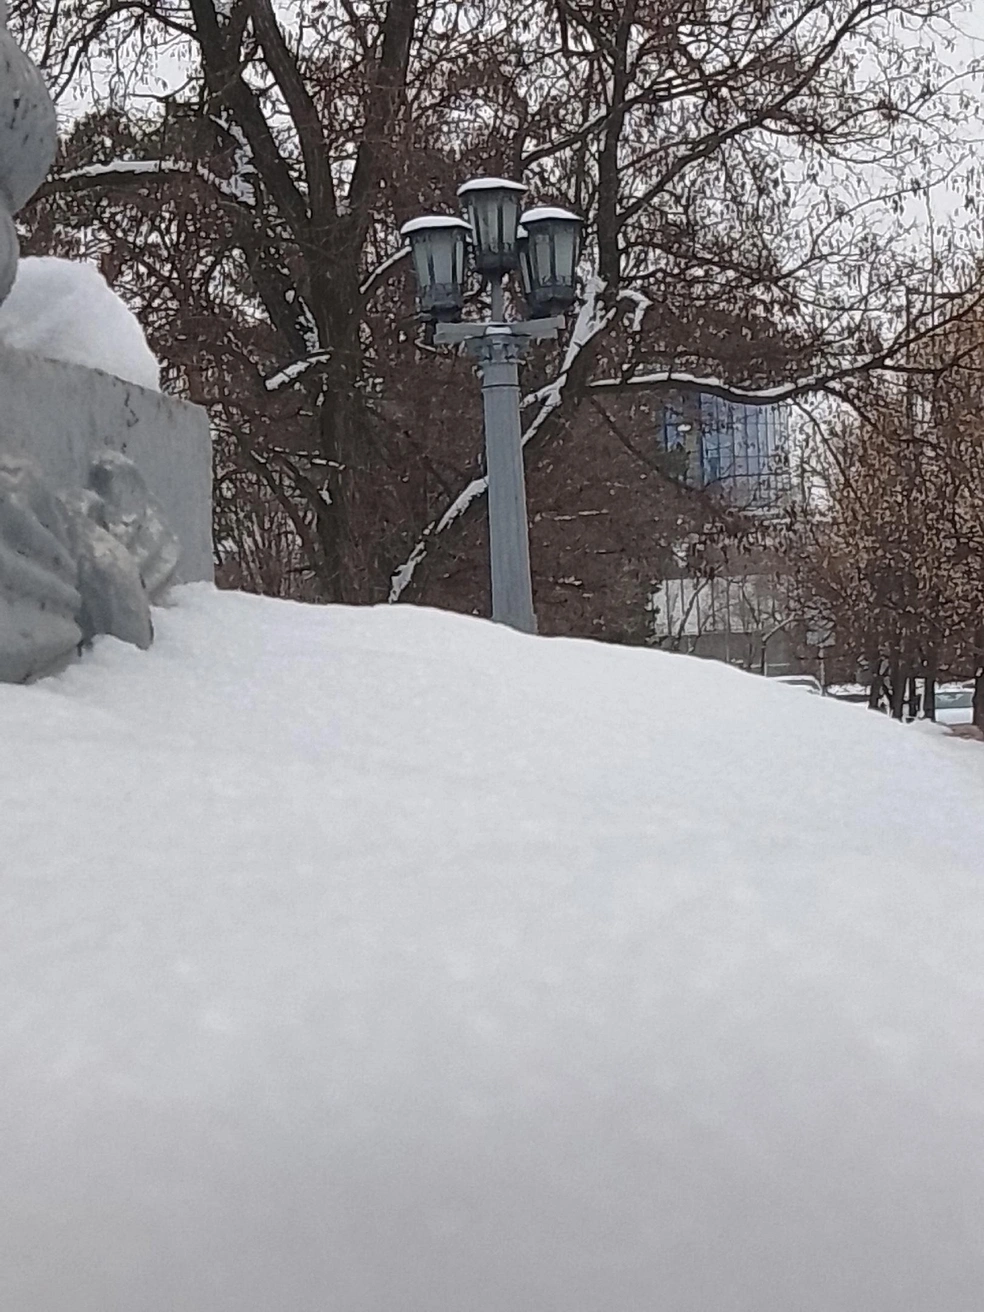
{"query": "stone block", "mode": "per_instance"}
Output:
(62, 418)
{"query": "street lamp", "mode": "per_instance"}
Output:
(493, 206)
(438, 245)
(549, 239)
(545, 251)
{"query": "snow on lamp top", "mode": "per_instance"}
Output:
(493, 206)
(438, 245)
(28, 136)
(542, 212)
(490, 184)
(548, 252)
(427, 221)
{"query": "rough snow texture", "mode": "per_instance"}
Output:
(65, 310)
(377, 960)
(125, 508)
(40, 602)
(77, 562)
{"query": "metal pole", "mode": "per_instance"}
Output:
(509, 536)
(498, 349)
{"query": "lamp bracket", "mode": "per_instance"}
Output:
(449, 334)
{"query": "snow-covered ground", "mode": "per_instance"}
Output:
(388, 961)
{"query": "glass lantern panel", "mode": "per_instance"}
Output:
(495, 218)
(480, 211)
(420, 249)
(565, 252)
(508, 215)
(525, 272)
(541, 257)
(443, 244)
(460, 257)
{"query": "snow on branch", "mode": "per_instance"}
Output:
(296, 369)
(642, 305)
(236, 188)
(668, 380)
(593, 317)
(403, 575)
(381, 270)
(125, 166)
(244, 172)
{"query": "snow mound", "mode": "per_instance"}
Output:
(383, 959)
(65, 310)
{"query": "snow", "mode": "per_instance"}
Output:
(542, 212)
(701, 383)
(428, 221)
(125, 167)
(374, 959)
(373, 280)
(296, 369)
(592, 318)
(489, 184)
(642, 305)
(65, 310)
(244, 173)
(238, 187)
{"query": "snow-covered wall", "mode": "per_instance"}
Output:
(60, 415)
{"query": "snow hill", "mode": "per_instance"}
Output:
(384, 960)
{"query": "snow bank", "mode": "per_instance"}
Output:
(65, 310)
(364, 960)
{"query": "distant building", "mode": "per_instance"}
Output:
(742, 453)
(740, 450)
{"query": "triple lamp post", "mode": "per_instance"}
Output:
(543, 246)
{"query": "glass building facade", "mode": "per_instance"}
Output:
(740, 450)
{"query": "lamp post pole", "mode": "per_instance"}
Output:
(509, 533)
(498, 348)
(546, 256)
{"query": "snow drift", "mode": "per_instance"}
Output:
(65, 310)
(382, 959)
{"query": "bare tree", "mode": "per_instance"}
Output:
(891, 547)
(740, 169)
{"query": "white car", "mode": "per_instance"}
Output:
(954, 706)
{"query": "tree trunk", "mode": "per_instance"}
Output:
(898, 682)
(913, 708)
(979, 697)
(929, 690)
(877, 686)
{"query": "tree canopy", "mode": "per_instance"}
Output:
(746, 171)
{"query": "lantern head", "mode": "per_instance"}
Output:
(548, 256)
(493, 206)
(439, 247)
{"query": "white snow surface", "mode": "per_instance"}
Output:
(548, 212)
(383, 960)
(66, 310)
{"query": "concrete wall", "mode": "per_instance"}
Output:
(60, 414)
